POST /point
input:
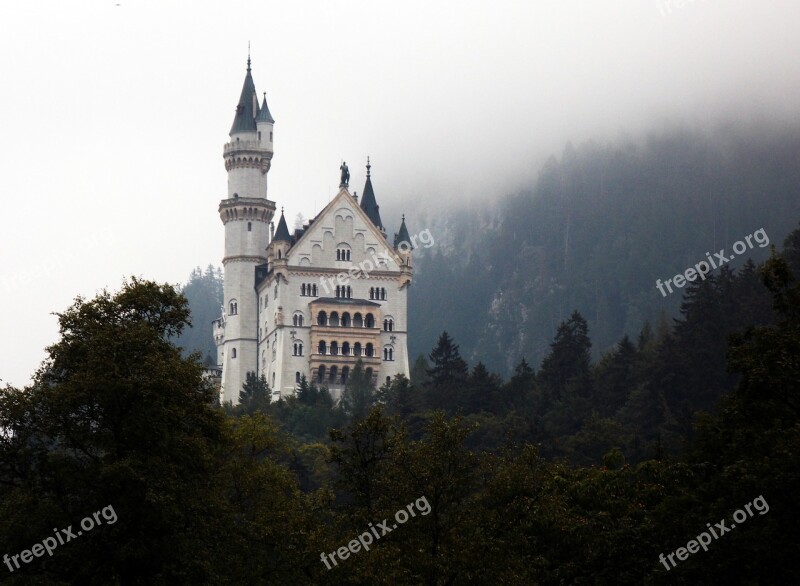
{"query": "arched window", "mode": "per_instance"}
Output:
(346, 320)
(349, 292)
(385, 354)
(279, 254)
(357, 349)
(234, 307)
(383, 294)
(372, 293)
(332, 377)
(303, 289)
(322, 318)
(358, 321)
(249, 226)
(389, 353)
(233, 353)
(338, 254)
(300, 319)
(322, 347)
(297, 377)
(346, 349)
(314, 290)
(385, 325)
(345, 373)
(334, 318)
(369, 322)
(334, 348)
(299, 348)
(294, 321)
(348, 255)
(321, 374)
(369, 351)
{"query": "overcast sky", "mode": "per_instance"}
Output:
(114, 114)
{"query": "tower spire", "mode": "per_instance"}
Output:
(248, 56)
(368, 166)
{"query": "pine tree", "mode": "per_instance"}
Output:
(448, 376)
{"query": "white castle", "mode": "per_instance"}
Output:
(314, 302)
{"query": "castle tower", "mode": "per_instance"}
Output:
(246, 214)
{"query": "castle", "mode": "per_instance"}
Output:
(312, 302)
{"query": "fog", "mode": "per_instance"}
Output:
(114, 115)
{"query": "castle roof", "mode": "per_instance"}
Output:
(368, 202)
(263, 114)
(402, 235)
(282, 233)
(247, 109)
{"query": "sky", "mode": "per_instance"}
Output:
(114, 113)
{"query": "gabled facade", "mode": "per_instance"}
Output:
(314, 302)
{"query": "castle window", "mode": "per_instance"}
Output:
(388, 353)
(322, 318)
(372, 292)
(297, 319)
(275, 292)
(349, 292)
(270, 136)
(345, 320)
(388, 380)
(383, 294)
(388, 325)
(273, 380)
(357, 349)
(385, 354)
(321, 374)
(297, 349)
(249, 226)
(332, 377)
(334, 348)
(314, 293)
(338, 257)
(303, 289)
(234, 307)
(334, 318)
(368, 351)
(368, 372)
(233, 353)
(346, 349)
(358, 321)
(322, 347)
(369, 322)
(345, 372)
(297, 377)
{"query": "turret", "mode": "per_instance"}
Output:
(246, 214)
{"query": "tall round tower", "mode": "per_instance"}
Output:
(246, 214)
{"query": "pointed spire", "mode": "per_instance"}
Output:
(246, 109)
(282, 233)
(368, 203)
(402, 239)
(263, 113)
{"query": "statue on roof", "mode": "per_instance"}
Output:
(345, 182)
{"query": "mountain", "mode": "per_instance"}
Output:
(594, 233)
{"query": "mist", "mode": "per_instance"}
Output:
(115, 114)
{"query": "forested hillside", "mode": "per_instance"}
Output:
(600, 225)
(566, 474)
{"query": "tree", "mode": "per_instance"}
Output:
(359, 393)
(448, 376)
(255, 394)
(116, 416)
